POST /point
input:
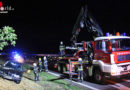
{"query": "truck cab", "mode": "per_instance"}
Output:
(111, 56)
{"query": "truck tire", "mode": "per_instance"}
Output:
(98, 76)
(64, 68)
(59, 68)
(85, 75)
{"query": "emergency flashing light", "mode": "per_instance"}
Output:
(117, 34)
(107, 34)
(18, 58)
(124, 34)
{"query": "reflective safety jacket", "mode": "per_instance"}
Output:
(40, 62)
(45, 63)
(35, 69)
(61, 47)
(80, 67)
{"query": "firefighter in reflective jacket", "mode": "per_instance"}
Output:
(35, 70)
(80, 70)
(40, 64)
(62, 49)
(45, 64)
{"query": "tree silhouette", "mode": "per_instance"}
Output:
(7, 37)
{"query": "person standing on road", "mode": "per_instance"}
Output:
(40, 64)
(80, 70)
(35, 70)
(45, 64)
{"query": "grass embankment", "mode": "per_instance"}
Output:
(24, 85)
(51, 82)
(47, 82)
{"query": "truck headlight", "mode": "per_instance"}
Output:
(114, 70)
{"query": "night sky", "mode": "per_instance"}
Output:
(41, 25)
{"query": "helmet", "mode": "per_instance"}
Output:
(61, 42)
(34, 64)
(80, 59)
(44, 57)
(39, 59)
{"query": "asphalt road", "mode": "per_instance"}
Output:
(116, 84)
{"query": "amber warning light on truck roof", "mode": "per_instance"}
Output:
(117, 34)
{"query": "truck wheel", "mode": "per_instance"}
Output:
(98, 76)
(59, 68)
(64, 69)
(86, 76)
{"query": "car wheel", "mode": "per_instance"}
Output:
(18, 81)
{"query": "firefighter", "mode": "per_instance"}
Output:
(62, 49)
(80, 70)
(40, 64)
(45, 64)
(35, 70)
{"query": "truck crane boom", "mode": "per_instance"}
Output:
(87, 22)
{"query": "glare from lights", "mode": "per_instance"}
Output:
(107, 34)
(18, 58)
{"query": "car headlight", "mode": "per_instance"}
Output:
(17, 76)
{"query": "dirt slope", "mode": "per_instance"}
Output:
(24, 85)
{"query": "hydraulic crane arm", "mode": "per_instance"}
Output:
(87, 22)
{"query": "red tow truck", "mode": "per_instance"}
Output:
(103, 56)
(110, 57)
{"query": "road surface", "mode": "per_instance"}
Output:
(117, 84)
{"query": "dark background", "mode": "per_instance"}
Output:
(41, 25)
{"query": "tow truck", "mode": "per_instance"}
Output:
(103, 56)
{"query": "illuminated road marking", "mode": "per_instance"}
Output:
(118, 86)
(54, 74)
(90, 87)
(125, 80)
(75, 82)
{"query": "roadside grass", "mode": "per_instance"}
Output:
(47, 81)
(51, 82)
(59, 81)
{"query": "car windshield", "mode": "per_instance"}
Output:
(120, 44)
(13, 65)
